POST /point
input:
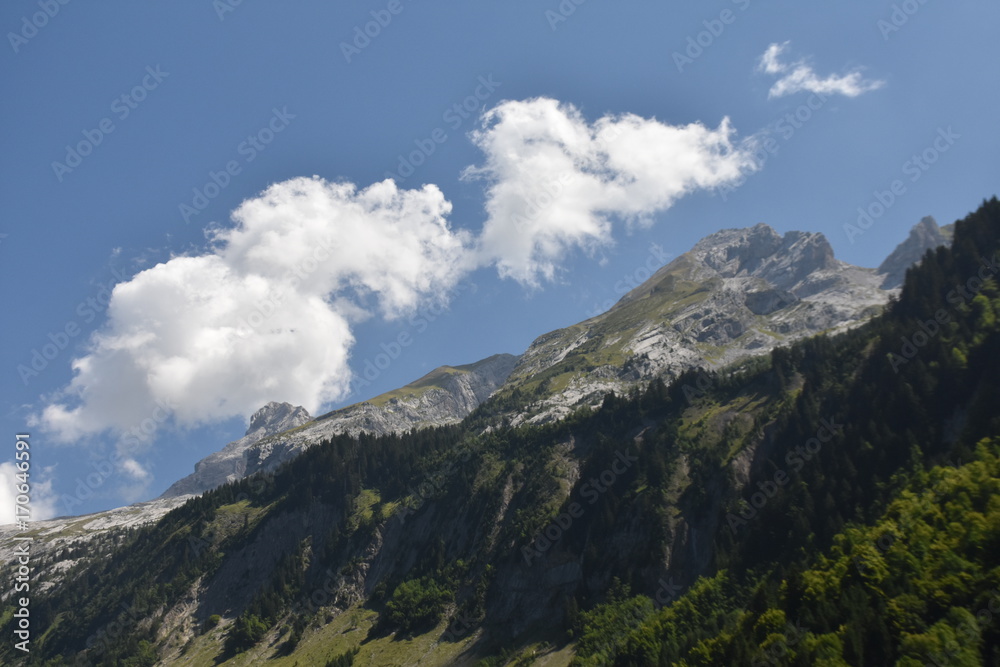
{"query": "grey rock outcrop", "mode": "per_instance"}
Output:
(738, 292)
(278, 431)
(444, 396)
(229, 463)
(924, 236)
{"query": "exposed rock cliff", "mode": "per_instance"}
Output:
(278, 431)
(924, 236)
(229, 463)
(738, 292)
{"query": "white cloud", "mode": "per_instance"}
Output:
(799, 76)
(265, 311)
(42, 503)
(136, 471)
(556, 182)
(263, 315)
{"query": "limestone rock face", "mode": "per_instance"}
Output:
(229, 463)
(278, 431)
(275, 418)
(923, 237)
(738, 292)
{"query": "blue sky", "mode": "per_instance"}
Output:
(161, 97)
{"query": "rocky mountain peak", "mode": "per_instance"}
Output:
(276, 417)
(760, 252)
(927, 225)
(443, 396)
(925, 235)
(747, 243)
(228, 464)
(736, 293)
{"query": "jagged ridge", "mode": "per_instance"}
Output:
(737, 293)
(278, 432)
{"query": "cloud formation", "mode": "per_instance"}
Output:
(43, 499)
(265, 311)
(263, 314)
(799, 76)
(557, 182)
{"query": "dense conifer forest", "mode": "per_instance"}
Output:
(843, 495)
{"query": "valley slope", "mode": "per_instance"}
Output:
(456, 504)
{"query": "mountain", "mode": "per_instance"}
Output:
(926, 235)
(229, 463)
(737, 293)
(279, 432)
(831, 502)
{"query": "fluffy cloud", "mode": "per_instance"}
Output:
(799, 76)
(556, 182)
(264, 314)
(43, 500)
